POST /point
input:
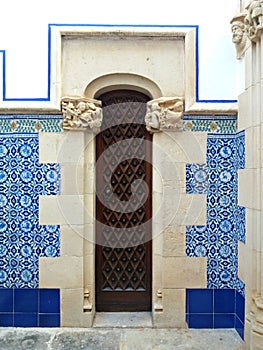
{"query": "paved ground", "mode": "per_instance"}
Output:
(118, 339)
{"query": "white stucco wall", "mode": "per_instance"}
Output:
(24, 38)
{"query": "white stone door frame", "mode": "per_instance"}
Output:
(74, 209)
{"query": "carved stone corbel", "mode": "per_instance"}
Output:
(254, 18)
(239, 35)
(81, 113)
(165, 113)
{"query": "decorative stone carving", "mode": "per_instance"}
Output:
(87, 307)
(165, 113)
(158, 306)
(254, 18)
(80, 113)
(239, 35)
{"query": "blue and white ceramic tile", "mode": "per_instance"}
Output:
(223, 124)
(196, 178)
(218, 240)
(23, 123)
(22, 240)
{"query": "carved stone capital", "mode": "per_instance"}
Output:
(81, 113)
(254, 18)
(239, 35)
(165, 113)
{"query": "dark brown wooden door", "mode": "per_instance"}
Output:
(123, 205)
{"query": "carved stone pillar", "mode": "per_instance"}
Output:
(251, 178)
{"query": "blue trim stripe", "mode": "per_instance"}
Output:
(47, 98)
(197, 64)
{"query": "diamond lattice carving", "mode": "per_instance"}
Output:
(122, 195)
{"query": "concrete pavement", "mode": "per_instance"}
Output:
(118, 339)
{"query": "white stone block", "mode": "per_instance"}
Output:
(174, 241)
(244, 261)
(72, 146)
(72, 179)
(179, 147)
(248, 185)
(85, 58)
(71, 240)
(244, 110)
(249, 66)
(184, 272)
(89, 269)
(185, 209)
(89, 208)
(173, 301)
(66, 147)
(89, 238)
(61, 272)
(61, 210)
(72, 303)
(252, 147)
(49, 147)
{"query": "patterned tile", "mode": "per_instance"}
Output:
(22, 240)
(30, 123)
(223, 124)
(218, 240)
(196, 178)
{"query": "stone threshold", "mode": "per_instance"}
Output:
(123, 320)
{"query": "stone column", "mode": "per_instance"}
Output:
(251, 178)
(173, 209)
(73, 210)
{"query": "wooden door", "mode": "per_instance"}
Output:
(123, 205)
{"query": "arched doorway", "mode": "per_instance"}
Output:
(123, 205)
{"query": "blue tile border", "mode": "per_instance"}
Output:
(29, 307)
(219, 124)
(201, 301)
(215, 308)
(49, 301)
(26, 301)
(200, 321)
(30, 123)
(37, 123)
(6, 300)
(224, 301)
(224, 320)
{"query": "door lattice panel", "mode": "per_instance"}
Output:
(123, 198)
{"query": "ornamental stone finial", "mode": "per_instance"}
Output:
(165, 113)
(81, 113)
(239, 35)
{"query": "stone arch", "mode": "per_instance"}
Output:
(117, 81)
